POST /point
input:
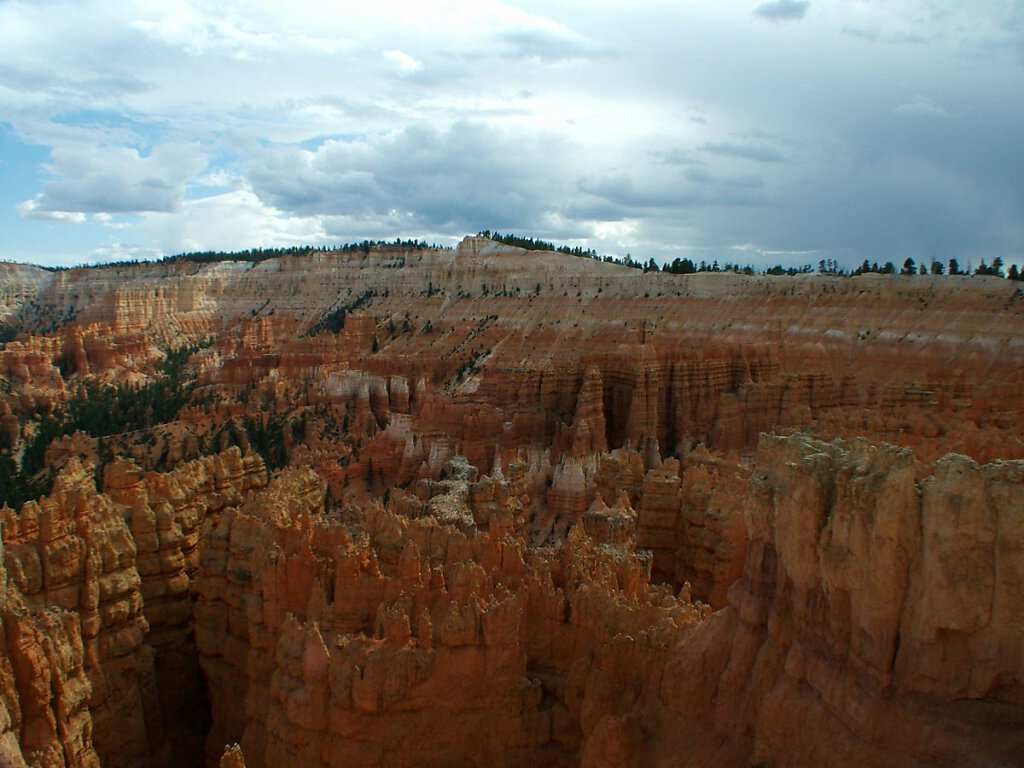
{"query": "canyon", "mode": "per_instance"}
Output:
(482, 506)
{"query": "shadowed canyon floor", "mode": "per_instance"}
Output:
(491, 507)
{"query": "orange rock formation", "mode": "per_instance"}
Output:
(524, 508)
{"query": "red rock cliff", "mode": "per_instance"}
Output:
(521, 511)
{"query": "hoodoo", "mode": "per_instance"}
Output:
(483, 506)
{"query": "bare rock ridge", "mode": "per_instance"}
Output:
(485, 506)
(496, 348)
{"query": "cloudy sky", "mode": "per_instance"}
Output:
(752, 132)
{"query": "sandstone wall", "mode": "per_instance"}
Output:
(864, 629)
(73, 557)
(98, 612)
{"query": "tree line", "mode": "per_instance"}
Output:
(685, 266)
(535, 244)
(678, 266)
(936, 267)
(257, 255)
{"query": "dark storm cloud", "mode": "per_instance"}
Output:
(756, 152)
(783, 10)
(885, 201)
(677, 156)
(467, 176)
(874, 36)
(864, 34)
(644, 198)
(547, 46)
(585, 208)
(703, 176)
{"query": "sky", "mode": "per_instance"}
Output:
(778, 132)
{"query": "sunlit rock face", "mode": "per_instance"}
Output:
(486, 506)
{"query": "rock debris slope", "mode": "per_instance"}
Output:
(483, 506)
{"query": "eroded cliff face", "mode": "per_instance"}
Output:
(872, 619)
(867, 627)
(70, 562)
(98, 612)
(521, 508)
(496, 348)
(428, 632)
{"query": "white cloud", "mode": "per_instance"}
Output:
(200, 31)
(108, 179)
(231, 221)
(403, 63)
(31, 209)
(121, 252)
